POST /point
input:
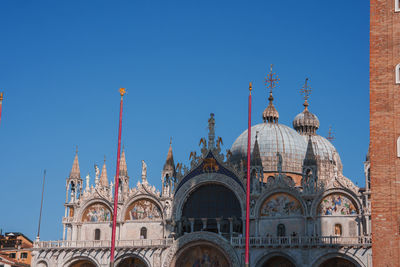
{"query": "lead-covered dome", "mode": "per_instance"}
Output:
(306, 122)
(273, 138)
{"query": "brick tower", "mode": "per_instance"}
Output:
(385, 130)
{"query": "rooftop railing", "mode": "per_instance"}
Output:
(140, 243)
(303, 241)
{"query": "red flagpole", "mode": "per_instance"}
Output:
(114, 225)
(248, 183)
(1, 103)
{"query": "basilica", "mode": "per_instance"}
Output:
(303, 211)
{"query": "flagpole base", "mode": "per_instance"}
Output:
(246, 265)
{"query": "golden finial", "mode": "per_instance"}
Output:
(271, 80)
(330, 136)
(1, 96)
(122, 91)
(250, 87)
(170, 140)
(306, 91)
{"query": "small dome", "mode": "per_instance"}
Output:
(306, 122)
(273, 138)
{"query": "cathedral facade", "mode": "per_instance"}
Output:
(303, 210)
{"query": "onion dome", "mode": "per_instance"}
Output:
(306, 123)
(270, 114)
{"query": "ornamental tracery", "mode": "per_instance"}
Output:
(336, 204)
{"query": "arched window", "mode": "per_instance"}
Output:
(281, 230)
(338, 229)
(398, 147)
(97, 234)
(397, 69)
(143, 233)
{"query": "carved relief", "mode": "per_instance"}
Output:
(336, 204)
(281, 204)
(210, 165)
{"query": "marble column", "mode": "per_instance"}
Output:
(191, 220)
(218, 225)
(204, 220)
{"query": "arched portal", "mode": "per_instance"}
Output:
(278, 261)
(214, 208)
(82, 263)
(132, 262)
(337, 262)
(203, 254)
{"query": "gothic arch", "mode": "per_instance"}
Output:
(264, 257)
(41, 262)
(204, 179)
(353, 259)
(261, 200)
(132, 200)
(347, 193)
(201, 238)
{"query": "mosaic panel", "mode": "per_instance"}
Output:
(97, 213)
(202, 256)
(143, 210)
(336, 204)
(281, 204)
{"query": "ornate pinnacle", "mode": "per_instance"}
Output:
(211, 131)
(271, 81)
(306, 91)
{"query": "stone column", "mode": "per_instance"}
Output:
(204, 220)
(191, 220)
(63, 232)
(218, 225)
(230, 226)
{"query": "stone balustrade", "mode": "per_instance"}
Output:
(304, 241)
(140, 243)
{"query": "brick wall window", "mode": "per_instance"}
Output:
(12, 255)
(397, 72)
(398, 147)
(24, 255)
(396, 5)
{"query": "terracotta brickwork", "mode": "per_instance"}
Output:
(384, 130)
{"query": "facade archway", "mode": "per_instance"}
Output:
(337, 262)
(278, 261)
(132, 261)
(82, 263)
(201, 254)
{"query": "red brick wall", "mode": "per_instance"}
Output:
(384, 130)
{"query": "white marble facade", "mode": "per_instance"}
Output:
(312, 222)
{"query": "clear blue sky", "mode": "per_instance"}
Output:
(61, 63)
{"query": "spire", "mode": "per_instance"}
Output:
(310, 158)
(256, 156)
(103, 176)
(211, 131)
(75, 171)
(123, 168)
(169, 166)
(270, 114)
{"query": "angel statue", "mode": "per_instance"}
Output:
(97, 172)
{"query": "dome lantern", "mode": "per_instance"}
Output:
(270, 114)
(306, 123)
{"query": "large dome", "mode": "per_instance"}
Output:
(273, 138)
